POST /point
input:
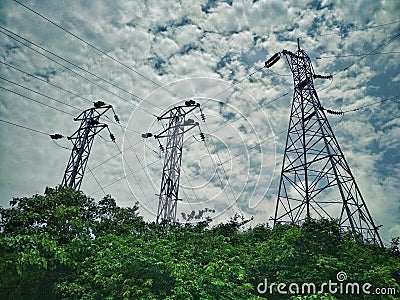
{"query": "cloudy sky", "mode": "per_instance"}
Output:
(155, 55)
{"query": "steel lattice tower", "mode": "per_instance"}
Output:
(316, 181)
(82, 141)
(178, 125)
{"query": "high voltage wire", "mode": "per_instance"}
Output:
(216, 150)
(36, 92)
(369, 53)
(98, 183)
(219, 177)
(132, 147)
(370, 104)
(37, 101)
(127, 175)
(112, 157)
(191, 187)
(233, 85)
(360, 29)
(65, 90)
(78, 67)
(45, 81)
(25, 127)
(95, 47)
(137, 182)
(252, 147)
(355, 55)
(67, 68)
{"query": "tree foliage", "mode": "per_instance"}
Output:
(64, 245)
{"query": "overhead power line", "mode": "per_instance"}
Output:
(25, 127)
(67, 68)
(45, 81)
(359, 29)
(370, 104)
(36, 92)
(61, 88)
(37, 101)
(369, 53)
(95, 48)
(355, 55)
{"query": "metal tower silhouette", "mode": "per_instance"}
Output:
(178, 125)
(82, 141)
(316, 181)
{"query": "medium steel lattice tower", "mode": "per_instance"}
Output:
(178, 125)
(82, 141)
(316, 181)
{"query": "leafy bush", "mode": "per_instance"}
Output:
(64, 245)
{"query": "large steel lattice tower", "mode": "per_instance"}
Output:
(316, 181)
(82, 141)
(178, 125)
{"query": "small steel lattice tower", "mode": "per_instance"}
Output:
(316, 181)
(82, 141)
(178, 125)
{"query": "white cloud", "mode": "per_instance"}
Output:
(174, 44)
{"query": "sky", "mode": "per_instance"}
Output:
(146, 57)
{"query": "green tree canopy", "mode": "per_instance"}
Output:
(64, 245)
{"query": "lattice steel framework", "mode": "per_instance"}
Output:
(316, 181)
(82, 141)
(178, 125)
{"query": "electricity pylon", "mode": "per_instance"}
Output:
(178, 125)
(316, 181)
(82, 141)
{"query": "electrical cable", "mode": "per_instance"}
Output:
(31, 99)
(191, 187)
(328, 85)
(275, 73)
(24, 127)
(45, 81)
(369, 53)
(256, 145)
(96, 48)
(226, 177)
(185, 195)
(370, 104)
(61, 146)
(98, 183)
(240, 117)
(127, 175)
(360, 29)
(130, 169)
(112, 157)
(233, 85)
(78, 67)
(65, 90)
(69, 69)
(36, 92)
(355, 55)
